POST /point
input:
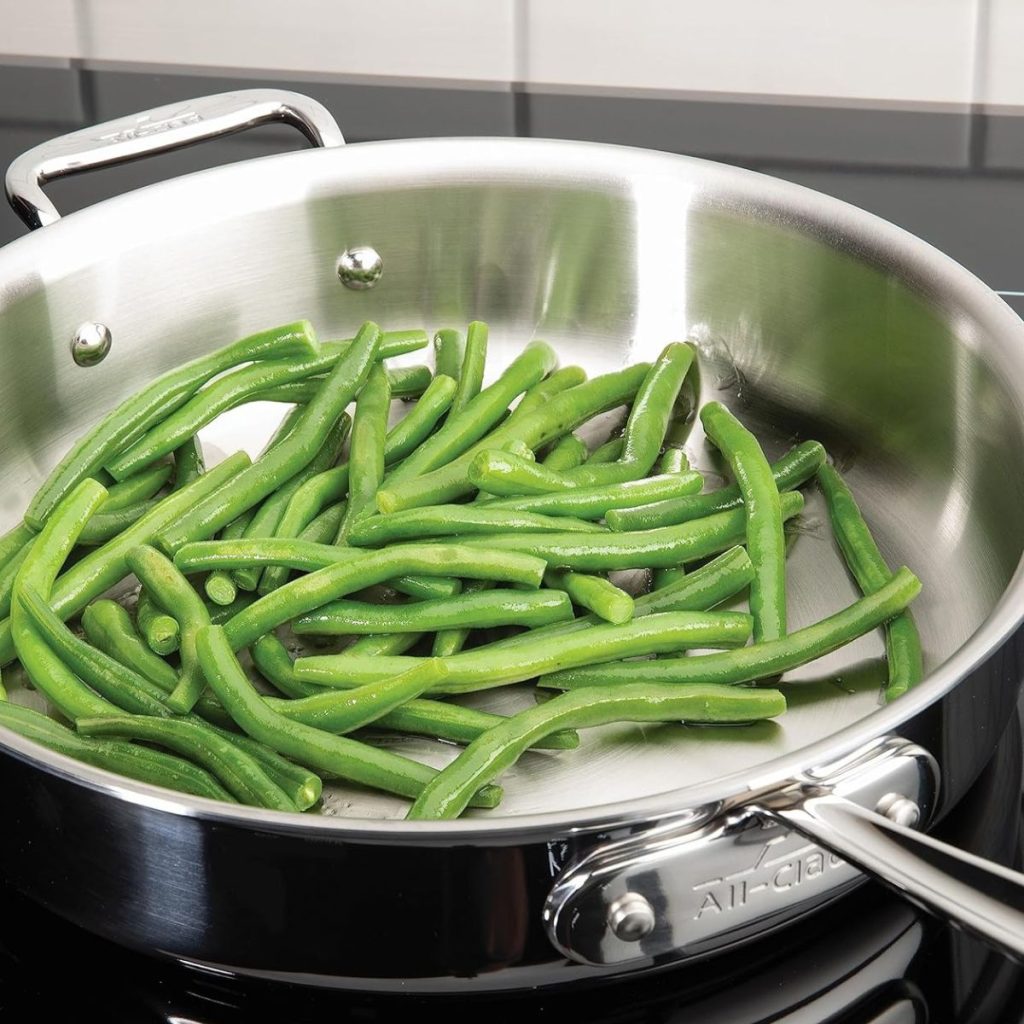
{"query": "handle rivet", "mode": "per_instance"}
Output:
(899, 809)
(631, 917)
(360, 267)
(90, 343)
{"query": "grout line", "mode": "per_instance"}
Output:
(977, 124)
(521, 126)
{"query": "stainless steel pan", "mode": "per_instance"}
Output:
(647, 845)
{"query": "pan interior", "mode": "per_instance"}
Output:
(801, 332)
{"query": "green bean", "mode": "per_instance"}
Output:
(435, 718)
(249, 383)
(555, 383)
(471, 373)
(7, 576)
(175, 595)
(14, 542)
(594, 593)
(475, 610)
(567, 453)
(462, 430)
(189, 462)
(286, 458)
(266, 518)
(127, 759)
(301, 785)
(113, 637)
(673, 460)
(764, 659)
(332, 484)
(406, 382)
(483, 668)
(110, 630)
(105, 566)
(141, 487)
(367, 455)
(642, 439)
(563, 412)
(665, 576)
(220, 588)
(450, 641)
(154, 403)
(701, 590)
(667, 546)
(766, 541)
(796, 466)
(336, 580)
(487, 757)
(453, 520)
(366, 704)
(51, 547)
(120, 685)
(449, 349)
(106, 526)
(160, 630)
(610, 451)
(869, 569)
(236, 770)
(415, 427)
(383, 643)
(332, 755)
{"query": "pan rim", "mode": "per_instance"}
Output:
(920, 265)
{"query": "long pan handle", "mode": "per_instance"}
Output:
(974, 894)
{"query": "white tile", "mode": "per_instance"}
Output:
(445, 39)
(1002, 55)
(42, 28)
(898, 50)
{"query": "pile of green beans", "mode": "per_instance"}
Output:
(350, 532)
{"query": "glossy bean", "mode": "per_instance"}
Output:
(595, 593)
(796, 466)
(483, 667)
(555, 383)
(764, 659)
(560, 414)
(220, 588)
(566, 453)
(480, 610)
(98, 571)
(155, 402)
(286, 458)
(332, 755)
(869, 569)
(471, 373)
(128, 759)
(160, 630)
(141, 487)
(48, 672)
(449, 349)
(667, 546)
(189, 462)
(447, 795)
(456, 520)
(240, 774)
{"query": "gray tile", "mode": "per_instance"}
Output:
(977, 220)
(365, 112)
(745, 131)
(1002, 146)
(44, 95)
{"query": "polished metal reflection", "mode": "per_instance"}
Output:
(813, 320)
(90, 344)
(157, 131)
(360, 267)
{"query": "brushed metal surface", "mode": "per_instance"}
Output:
(813, 319)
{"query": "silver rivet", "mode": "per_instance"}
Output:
(899, 809)
(360, 267)
(631, 917)
(90, 343)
